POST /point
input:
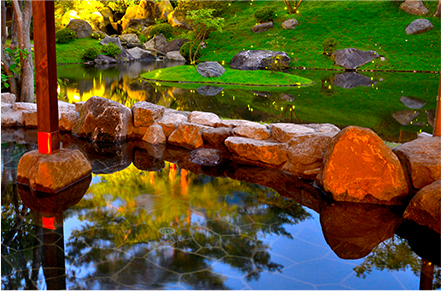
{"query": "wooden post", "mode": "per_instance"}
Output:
(437, 121)
(46, 76)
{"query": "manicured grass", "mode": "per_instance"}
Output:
(73, 51)
(230, 77)
(365, 25)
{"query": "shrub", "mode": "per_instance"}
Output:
(65, 35)
(98, 35)
(110, 49)
(90, 54)
(165, 28)
(329, 46)
(265, 14)
(276, 64)
(185, 51)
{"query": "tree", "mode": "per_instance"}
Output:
(292, 10)
(17, 61)
(438, 10)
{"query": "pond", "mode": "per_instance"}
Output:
(395, 105)
(170, 224)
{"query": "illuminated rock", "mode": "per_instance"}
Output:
(81, 27)
(359, 167)
(324, 128)
(188, 135)
(154, 135)
(51, 173)
(415, 7)
(424, 208)
(170, 122)
(203, 118)
(351, 58)
(217, 136)
(252, 130)
(164, 8)
(261, 27)
(419, 26)
(283, 132)
(177, 21)
(146, 113)
(421, 160)
(267, 152)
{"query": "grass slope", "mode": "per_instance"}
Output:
(230, 77)
(73, 51)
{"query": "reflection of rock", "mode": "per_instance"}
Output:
(421, 160)
(207, 157)
(143, 160)
(209, 90)
(404, 117)
(349, 80)
(351, 58)
(352, 230)
(359, 167)
(412, 102)
(51, 204)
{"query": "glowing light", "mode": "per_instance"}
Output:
(76, 97)
(73, 13)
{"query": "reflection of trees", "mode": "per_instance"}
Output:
(213, 220)
(395, 254)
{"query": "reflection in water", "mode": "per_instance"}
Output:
(173, 228)
(369, 102)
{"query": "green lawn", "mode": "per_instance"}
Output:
(189, 74)
(73, 51)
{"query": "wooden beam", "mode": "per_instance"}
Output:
(46, 76)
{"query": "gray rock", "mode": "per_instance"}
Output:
(209, 90)
(156, 44)
(102, 119)
(81, 27)
(175, 56)
(140, 54)
(264, 26)
(124, 56)
(210, 69)
(412, 102)
(415, 7)
(175, 45)
(404, 117)
(256, 60)
(146, 113)
(290, 24)
(349, 80)
(8, 98)
(102, 59)
(108, 39)
(419, 26)
(130, 40)
(351, 58)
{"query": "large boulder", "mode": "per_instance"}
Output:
(140, 54)
(146, 113)
(175, 56)
(104, 120)
(421, 160)
(102, 60)
(419, 26)
(175, 45)
(130, 40)
(67, 116)
(51, 173)
(352, 58)
(210, 69)
(424, 208)
(156, 44)
(415, 7)
(13, 114)
(256, 60)
(8, 98)
(359, 167)
(272, 153)
(349, 80)
(261, 27)
(81, 27)
(188, 135)
(124, 56)
(217, 136)
(108, 39)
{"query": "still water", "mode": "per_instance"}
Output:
(395, 105)
(149, 218)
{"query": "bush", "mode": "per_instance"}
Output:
(110, 49)
(185, 50)
(98, 35)
(265, 14)
(90, 54)
(165, 28)
(329, 46)
(65, 35)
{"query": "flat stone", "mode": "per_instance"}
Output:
(170, 122)
(155, 135)
(415, 7)
(421, 160)
(8, 98)
(419, 26)
(404, 117)
(252, 130)
(359, 167)
(424, 208)
(51, 173)
(261, 27)
(188, 135)
(146, 113)
(324, 128)
(203, 118)
(217, 136)
(272, 153)
(412, 102)
(351, 58)
(283, 132)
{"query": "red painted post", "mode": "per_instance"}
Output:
(437, 121)
(46, 76)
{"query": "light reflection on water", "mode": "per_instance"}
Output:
(228, 234)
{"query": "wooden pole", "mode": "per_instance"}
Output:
(46, 76)
(437, 121)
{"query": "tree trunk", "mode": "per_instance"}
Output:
(438, 10)
(290, 10)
